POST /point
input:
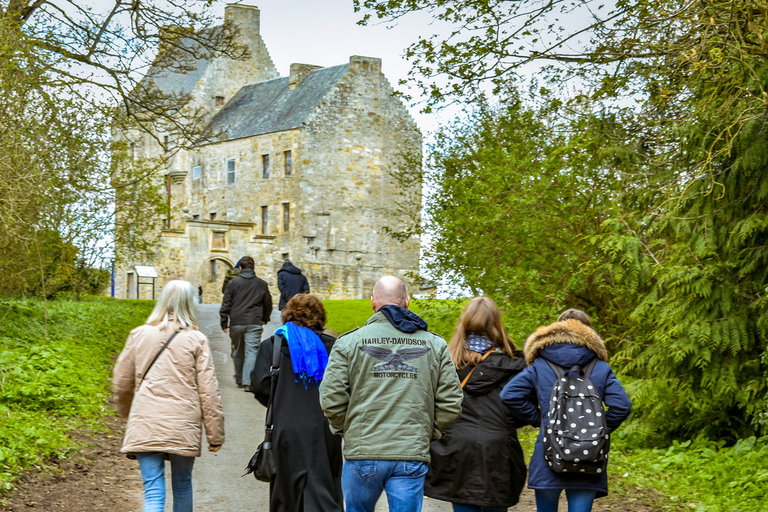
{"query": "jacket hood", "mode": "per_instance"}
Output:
(290, 268)
(498, 368)
(566, 332)
(402, 319)
(247, 273)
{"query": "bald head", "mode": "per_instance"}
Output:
(389, 290)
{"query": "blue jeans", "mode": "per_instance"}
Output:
(245, 343)
(153, 474)
(403, 480)
(458, 507)
(578, 501)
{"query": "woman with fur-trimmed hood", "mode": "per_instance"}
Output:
(568, 342)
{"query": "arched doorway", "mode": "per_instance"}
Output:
(211, 274)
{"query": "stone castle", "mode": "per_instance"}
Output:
(306, 170)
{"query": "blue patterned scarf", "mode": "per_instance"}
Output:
(308, 355)
(478, 343)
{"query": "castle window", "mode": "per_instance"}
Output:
(219, 101)
(288, 163)
(166, 144)
(133, 151)
(196, 172)
(213, 215)
(231, 172)
(265, 220)
(196, 217)
(213, 271)
(265, 166)
(286, 217)
(219, 241)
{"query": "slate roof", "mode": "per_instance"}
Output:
(179, 83)
(270, 106)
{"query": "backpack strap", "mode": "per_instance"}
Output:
(586, 370)
(589, 367)
(559, 370)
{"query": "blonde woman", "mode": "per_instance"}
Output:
(478, 465)
(165, 385)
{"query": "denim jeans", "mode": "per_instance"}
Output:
(459, 507)
(362, 482)
(153, 474)
(578, 501)
(245, 343)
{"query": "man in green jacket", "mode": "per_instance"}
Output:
(390, 388)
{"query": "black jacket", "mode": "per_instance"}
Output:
(246, 301)
(307, 456)
(480, 461)
(290, 281)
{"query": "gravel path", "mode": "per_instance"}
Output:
(217, 476)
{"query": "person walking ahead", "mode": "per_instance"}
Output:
(168, 402)
(246, 307)
(307, 455)
(389, 389)
(568, 342)
(479, 465)
(290, 281)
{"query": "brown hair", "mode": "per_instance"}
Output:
(481, 316)
(305, 310)
(575, 314)
(246, 262)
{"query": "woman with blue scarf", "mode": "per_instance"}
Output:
(307, 456)
(478, 466)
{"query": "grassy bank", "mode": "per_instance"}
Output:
(440, 315)
(50, 385)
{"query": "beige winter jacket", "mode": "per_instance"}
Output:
(166, 412)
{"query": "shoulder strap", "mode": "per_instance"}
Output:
(589, 367)
(559, 370)
(274, 372)
(158, 355)
(473, 369)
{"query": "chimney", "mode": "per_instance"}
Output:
(298, 73)
(359, 64)
(247, 17)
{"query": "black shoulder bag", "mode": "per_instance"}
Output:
(262, 464)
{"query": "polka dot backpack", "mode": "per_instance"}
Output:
(575, 436)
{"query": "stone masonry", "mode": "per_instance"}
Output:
(306, 170)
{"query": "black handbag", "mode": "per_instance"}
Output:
(262, 464)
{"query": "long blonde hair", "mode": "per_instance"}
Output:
(482, 317)
(175, 307)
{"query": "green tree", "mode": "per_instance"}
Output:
(57, 207)
(683, 246)
(518, 194)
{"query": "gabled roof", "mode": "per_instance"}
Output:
(271, 106)
(180, 83)
(175, 82)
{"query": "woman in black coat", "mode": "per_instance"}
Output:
(479, 465)
(307, 456)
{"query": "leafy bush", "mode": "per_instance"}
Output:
(50, 385)
(699, 475)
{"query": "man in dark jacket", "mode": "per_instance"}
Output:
(246, 307)
(290, 281)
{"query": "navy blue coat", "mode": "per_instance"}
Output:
(528, 394)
